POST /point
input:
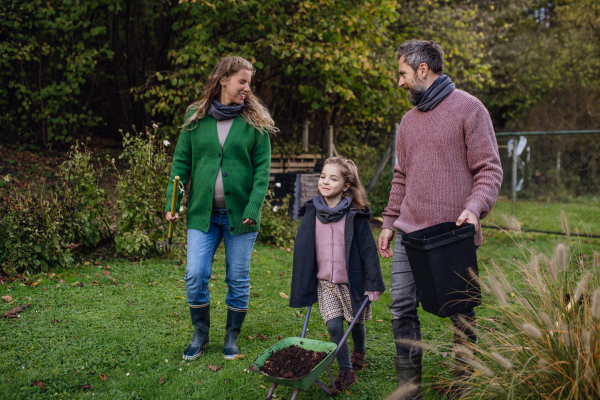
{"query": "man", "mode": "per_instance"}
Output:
(448, 170)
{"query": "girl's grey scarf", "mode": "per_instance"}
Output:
(438, 91)
(220, 112)
(326, 214)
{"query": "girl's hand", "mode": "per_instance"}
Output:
(249, 221)
(171, 218)
(373, 296)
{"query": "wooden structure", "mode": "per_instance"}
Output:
(294, 163)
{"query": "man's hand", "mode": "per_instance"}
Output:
(383, 243)
(468, 216)
(171, 218)
(249, 221)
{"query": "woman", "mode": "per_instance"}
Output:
(224, 150)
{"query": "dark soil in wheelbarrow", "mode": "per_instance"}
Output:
(292, 362)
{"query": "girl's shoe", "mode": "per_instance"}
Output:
(358, 359)
(345, 379)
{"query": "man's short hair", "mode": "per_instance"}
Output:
(416, 52)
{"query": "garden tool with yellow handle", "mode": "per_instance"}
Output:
(169, 244)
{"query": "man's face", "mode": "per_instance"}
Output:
(410, 81)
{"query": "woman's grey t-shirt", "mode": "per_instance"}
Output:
(219, 195)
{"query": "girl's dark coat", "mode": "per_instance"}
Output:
(362, 259)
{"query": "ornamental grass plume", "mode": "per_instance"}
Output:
(543, 341)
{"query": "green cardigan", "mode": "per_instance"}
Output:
(245, 162)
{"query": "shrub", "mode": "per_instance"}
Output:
(276, 227)
(30, 227)
(141, 192)
(80, 183)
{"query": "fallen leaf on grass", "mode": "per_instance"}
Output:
(280, 273)
(85, 387)
(103, 377)
(152, 283)
(253, 368)
(179, 297)
(107, 267)
(61, 281)
(279, 337)
(34, 284)
(268, 272)
(40, 384)
(14, 312)
(161, 380)
(277, 257)
(75, 283)
(80, 284)
(213, 277)
(263, 387)
(379, 320)
(180, 286)
(261, 336)
(8, 299)
(254, 294)
(95, 263)
(57, 286)
(349, 393)
(213, 367)
(126, 285)
(105, 272)
(250, 337)
(95, 283)
(176, 313)
(288, 250)
(200, 383)
(283, 295)
(238, 356)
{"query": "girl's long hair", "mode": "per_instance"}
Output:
(254, 111)
(349, 172)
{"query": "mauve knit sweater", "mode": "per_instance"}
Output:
(448, 161)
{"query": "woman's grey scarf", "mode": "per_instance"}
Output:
(220, 112)
(438, 91)
(326, 214)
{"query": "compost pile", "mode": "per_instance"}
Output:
(292, 362)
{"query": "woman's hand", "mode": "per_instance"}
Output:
(171, 218)
(249, 221)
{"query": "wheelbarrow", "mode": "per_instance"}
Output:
(303, 382)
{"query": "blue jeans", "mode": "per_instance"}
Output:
(201, 247)
(405, 320)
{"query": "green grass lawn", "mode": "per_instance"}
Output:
(584, 217)
(134, 331)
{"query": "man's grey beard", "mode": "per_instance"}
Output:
(415, 92)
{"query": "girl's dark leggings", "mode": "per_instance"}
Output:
(335, 327)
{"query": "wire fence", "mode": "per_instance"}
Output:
(546, 173)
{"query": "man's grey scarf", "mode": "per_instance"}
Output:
(326, 214)
(220, 112)
(438, 91)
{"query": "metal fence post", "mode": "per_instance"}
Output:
(514, 179)
(395, 159)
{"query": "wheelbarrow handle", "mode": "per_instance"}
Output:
(306, 320)
(360, 310)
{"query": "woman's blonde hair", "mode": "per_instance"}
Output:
(254, 111)
(350, 175)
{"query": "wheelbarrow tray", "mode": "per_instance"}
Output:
(305, 381)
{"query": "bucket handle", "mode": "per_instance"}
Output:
(360, 310)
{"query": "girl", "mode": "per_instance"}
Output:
(336, 261)
(224, 150)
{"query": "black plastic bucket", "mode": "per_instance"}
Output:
(440, 258)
